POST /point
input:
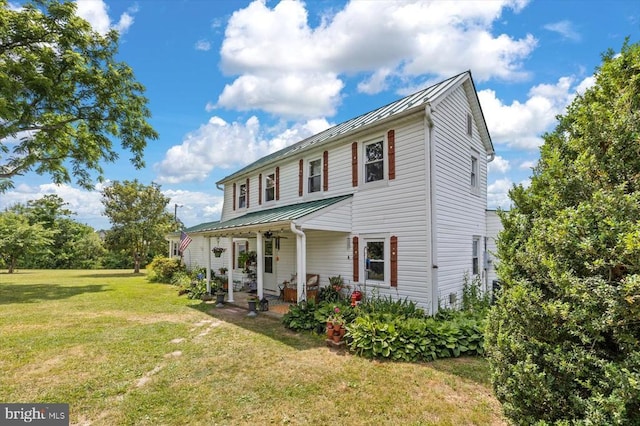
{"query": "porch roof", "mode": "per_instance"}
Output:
(269, 216)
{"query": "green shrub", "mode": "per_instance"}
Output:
(383, 335)
(402, 308)
(162, 269)
(302, 317)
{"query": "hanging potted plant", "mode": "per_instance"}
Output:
(217, 251)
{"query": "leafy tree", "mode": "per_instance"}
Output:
(63, 96)
(564, 336)
(74, 245)
(19, 238)
(139, 218)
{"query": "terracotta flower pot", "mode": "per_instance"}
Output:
(330, 332)
(336, 337)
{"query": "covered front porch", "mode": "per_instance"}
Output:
(264, 251)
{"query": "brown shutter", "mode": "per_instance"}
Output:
(247, 204)
(356, 266)
(234, 196)
(394, 261)
(300, 173)
(354, 164)
(260, 189)
(325, 171)
(277, 183)
(391, 141)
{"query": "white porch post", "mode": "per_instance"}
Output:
(230, 269)
(301, 260)
(208, 274)
(259, 264)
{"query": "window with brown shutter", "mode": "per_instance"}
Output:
(325, 171)
(356, 266)
(277, 183)
(354, 164)
(394, 261)
(391, 151)
(260, 189)
(300, 173)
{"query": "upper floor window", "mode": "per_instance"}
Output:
(242, 196)
(469, 124)
(315, 176)
(474, 173)
(374, 161)
(270, 187)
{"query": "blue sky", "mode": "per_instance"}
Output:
(231, 81)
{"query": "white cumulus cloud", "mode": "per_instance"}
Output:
(96, 12)
(219, 144)
(286, 67)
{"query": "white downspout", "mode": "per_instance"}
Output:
(432, 211)
(230, 270)
(301, 259)
(260, 264)
(209, 265)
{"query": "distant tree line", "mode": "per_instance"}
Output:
(42, 233)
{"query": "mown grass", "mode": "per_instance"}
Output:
(121, 350)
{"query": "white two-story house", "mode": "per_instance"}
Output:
(393, 200)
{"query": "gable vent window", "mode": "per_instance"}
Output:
(374, 161)
(270, 187)
(469, 124)
(315, 175)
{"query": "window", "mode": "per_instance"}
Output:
(475, 256)
(374, 161)
(242, 197)
(474, 173)
(270, 187)
(469, 124)
(315, 176)
(268, 256)
(242, 246)
(375, 262)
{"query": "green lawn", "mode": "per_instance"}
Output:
(120, 350)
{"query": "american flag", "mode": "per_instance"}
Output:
(185, 240)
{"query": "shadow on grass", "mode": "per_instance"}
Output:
(264, 324)
(123, 274)
(475, 369)
(33, 293)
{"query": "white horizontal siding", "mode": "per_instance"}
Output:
(460, 211)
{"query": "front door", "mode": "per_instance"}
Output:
(269, 275)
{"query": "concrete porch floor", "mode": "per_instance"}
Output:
(277, 308)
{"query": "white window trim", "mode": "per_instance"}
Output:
(362, 176)
(474, 188)
(386, 239)
(475, 243)
(264, 185)
(307, 176)
(240, 195)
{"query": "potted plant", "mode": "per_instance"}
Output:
(217, 251)
(218, 290)
(337, 283)
(222, 270)
(252, 301)
(246, 258)
(335, 325)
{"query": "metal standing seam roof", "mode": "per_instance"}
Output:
(397, 107)
(277, 214)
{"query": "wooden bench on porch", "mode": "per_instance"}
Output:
(289, 290)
